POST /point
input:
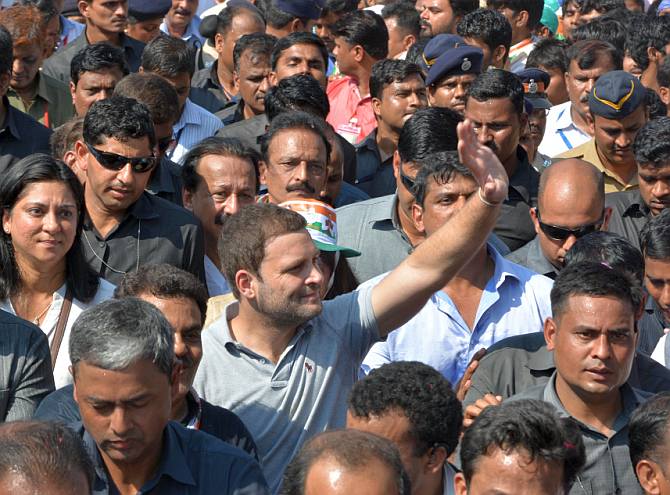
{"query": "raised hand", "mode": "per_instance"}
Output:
(483, 163)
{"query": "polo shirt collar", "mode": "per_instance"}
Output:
(638, 208)
(591, 156)
(370, 142)
(188, 115)
(503, 268)
(539, 260)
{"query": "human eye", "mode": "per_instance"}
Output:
(35, 211)
(66, 213)
(619, 337)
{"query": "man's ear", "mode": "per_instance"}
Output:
(649, 475)
(236, 81)
(82, 5)
(430, 95)
(550, 329)
(187, 198)
(459, 483)
(521, 19)
(81, 153)
(244, 281)
(408, 41)
(272, 78)
(377, 107)
(417, 217)
(358, 53)
(297, 25)
(591, 120)
(607, 214)
(262, 171)
(435, 459)
(664, 93)
(396, 164)
(218, 43)
(499, 55)
(536, 222)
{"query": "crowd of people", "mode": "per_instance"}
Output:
(327, 247)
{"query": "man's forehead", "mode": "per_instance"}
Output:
(306, 50)
(652, 170)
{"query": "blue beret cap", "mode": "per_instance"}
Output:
(535, 83)
(308, 9)
(616, 94)
(460, 60)
(437, 46)
(143, 10)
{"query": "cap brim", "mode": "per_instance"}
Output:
(346, 252)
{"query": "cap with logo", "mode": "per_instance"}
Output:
(436, 47)
(141, 10)
(535, 83)
(616, 95)
(461, 60)
(321, 224)
(307, 9)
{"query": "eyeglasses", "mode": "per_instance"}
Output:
(408, 182)
(562, 233)
(112, 161)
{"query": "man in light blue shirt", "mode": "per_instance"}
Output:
(182, 22)
(490, 298)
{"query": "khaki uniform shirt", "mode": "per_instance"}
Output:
(51, 105)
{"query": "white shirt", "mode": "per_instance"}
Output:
(449, 479)
(62, 374)
(217, 284)
(561, 134)
(194, 125)
(214, 10)
(659, 351)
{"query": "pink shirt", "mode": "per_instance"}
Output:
(346, 104)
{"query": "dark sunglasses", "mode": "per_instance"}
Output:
(408, 182)
(561, 233)
(112, 161)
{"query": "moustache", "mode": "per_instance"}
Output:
(184, 12)
(303, 186)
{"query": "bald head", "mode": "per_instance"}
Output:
(568, 182)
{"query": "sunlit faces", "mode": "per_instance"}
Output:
(26, 64)
(654, 186)
(570, 17)
(125, 411)
(42, 223)
(322, 29)
(296, 165)
(92, 87)
(345, 54)
(437, 17)
(327, 476)
(556, 91)
(106, 15)
(593, 339)
(537, 122)
(657, 282)
(580, 82)
(397, 40)
(114, 191)
(513, 473)
(302, 58)
(243, 23)
(614, 137)
(252, 82)
(181, 13)
(184, 317)
(227, 183)
(399, 101)
(450, 92)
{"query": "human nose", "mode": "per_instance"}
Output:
(483, 135)
(121, 9)
(300, 172)
(264, 85)
(424, 14)
(120, 422)
(50, 222)
(125, 175)
(315, 276)
(232, 205)
(660, 189)
(17, 67)
(569, 242)
(601, 347)
(588, 85)
(180, 347)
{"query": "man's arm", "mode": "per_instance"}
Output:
(435, 261)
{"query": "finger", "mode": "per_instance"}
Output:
(479, 354)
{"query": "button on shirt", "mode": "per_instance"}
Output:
(194, 125)
(305, 393)
(52, 104)
(561, 134)
(21, 136)
(629, 215)
(167, 234)
(346, 104)
(192, 462)
(373, 176)
(515, 301)
(608, 470)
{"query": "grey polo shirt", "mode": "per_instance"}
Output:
(167, 234)
(532, 257)
(629, 215)
(58, 65)
(21, 136)
(608, 470)
(305, 393)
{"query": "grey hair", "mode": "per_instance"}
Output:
(117, 333)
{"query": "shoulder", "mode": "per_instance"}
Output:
(26, 123)
(519, 256)
(170, 213)
(55, 84)
(337, 84)
(576, 152)
(536, 392)
(360, 209)
(203, 114)
(526, 276)
(105, 291)
(622, 199)
(200, 446)
(14, 329)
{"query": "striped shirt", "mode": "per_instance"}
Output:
(194, 125)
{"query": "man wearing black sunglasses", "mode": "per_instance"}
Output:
(126, 226)
(571, 204)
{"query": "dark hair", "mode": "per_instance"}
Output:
(352, 449)
(589, 278)
(388, 71)
(153, 91)
(612, 249)
(298, 38)
(549, 53)
(415, 51)
(525, 426)
(421, 393)
(463, 7)
(32, 169)
(119, 118)
(294, 120)
(338, 7)
(487, 25)
(46, 7)
(168, 56)
(260, 46)
(663, 74)
(276, 17)
(166, 282)
(588, 53)
(427, 131)
(533, 7)
(407, 18)
(602, 29)
(440, 167)
(224, 19)
(655, 236)
(98, 57)
(600, 6)
(655, 106)
(245, 235)
(654, 33)
(498, 83)
(652, 143)
(6, 51)
(220, 146)
(45, 454)
(648, 430)
(299, 92)
(364, 28)
(65, 136)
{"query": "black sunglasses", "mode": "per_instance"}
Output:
(408, 182)
(112, 161)
(562, 233)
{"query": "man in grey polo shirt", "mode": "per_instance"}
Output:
(283, 360)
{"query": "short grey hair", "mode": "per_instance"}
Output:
(117, 333)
